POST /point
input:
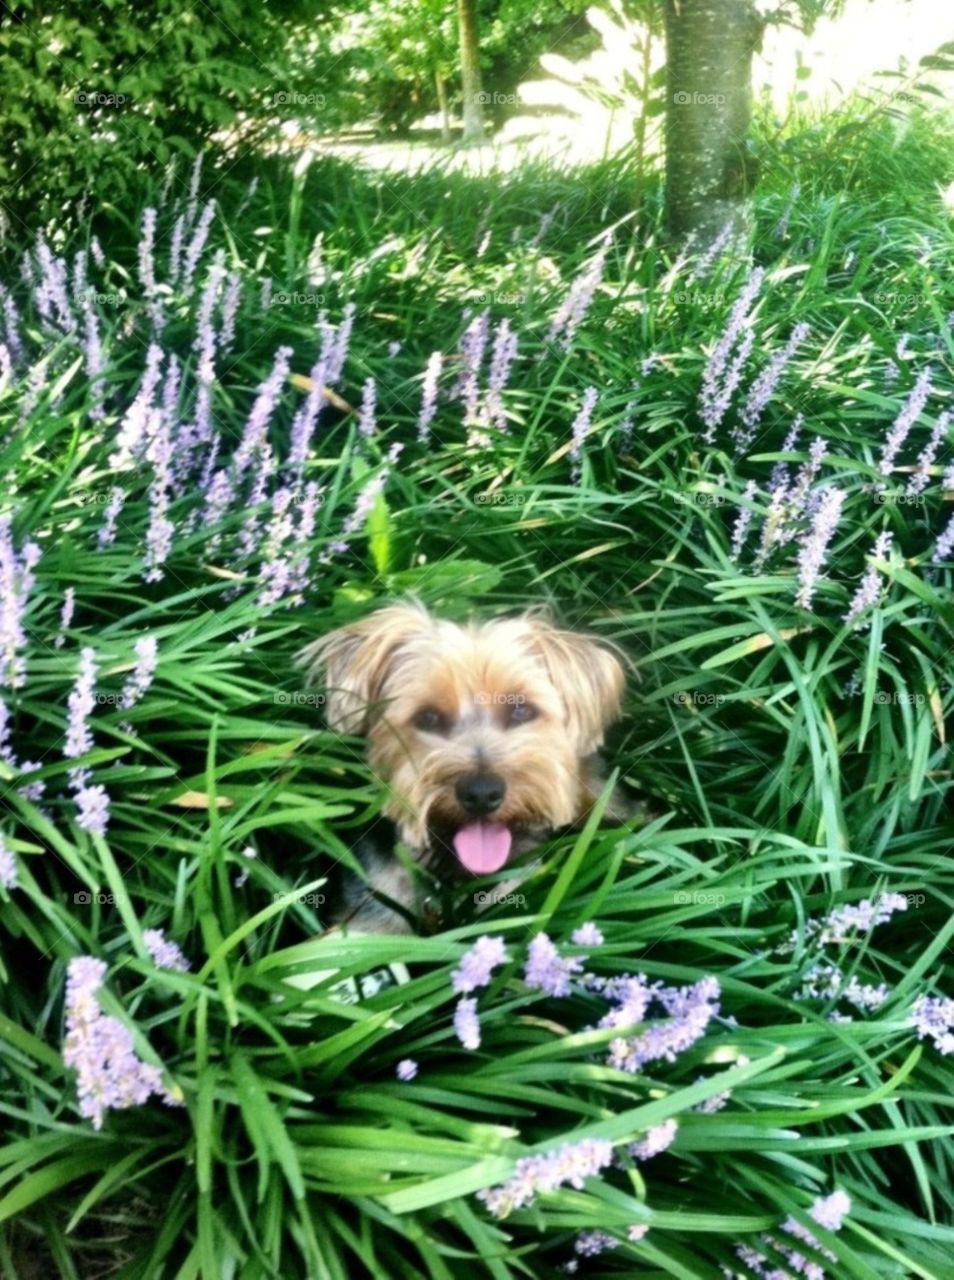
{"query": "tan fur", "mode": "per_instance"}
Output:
(382, 671)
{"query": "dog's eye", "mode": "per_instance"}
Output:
(521, 713)
(430, 720)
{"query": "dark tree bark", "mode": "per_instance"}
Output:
(473, 112)
(709, 48)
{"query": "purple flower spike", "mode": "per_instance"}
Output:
(429, 395)
(814, 545)
(478, 964)
(546, 970)
(164, 954)
(900, 429)
(466, 1023)
(16, 582)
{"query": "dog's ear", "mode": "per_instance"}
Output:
(356, 661)
(587, 675)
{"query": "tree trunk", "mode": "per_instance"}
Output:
(709, 48)
(470, 72)
(445, 110)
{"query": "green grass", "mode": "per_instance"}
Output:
(792, 762)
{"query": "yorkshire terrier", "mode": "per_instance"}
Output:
(485, 736)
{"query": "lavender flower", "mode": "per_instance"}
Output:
(811, 555)
(66, 615)
(160, 531)
(175, 249)
(546, 970)
(96, 249)
(719, 379)
(466, 1023)
(256, 426)
(229, 311)
(764, 386)
(16, 582)
(944, 547)
(572, 310)
(164, 954)
(52, 291)
(304, 421)
(588, 935)
(472, 347)
(140, 416)
(779, 474)
(9, 872)
(910, 412)
(141, 676)
(429, 395)
(581, 428)
(830, 1211)
(406, 1070)
(94, 363)
(337, 352)
(933, 1016)
(845, 924)
(11, 327)
(922, 471)
(590, 1243)
(79, 737)
(502, 357)
(92, 809)
(657, 1140)
(197, 244)
(366, 418)
(869, 590)
(107, 532)
(147, 242)
(535, 1175)
(100, 1049)
(478, 964)
(690, 1011)
(742, 521)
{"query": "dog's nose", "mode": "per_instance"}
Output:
(480, 793)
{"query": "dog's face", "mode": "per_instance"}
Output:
(481, 733)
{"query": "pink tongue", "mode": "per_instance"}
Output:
(483, 846)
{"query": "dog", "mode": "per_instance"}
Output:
(485, 736)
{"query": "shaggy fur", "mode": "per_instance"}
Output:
(454, 716)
